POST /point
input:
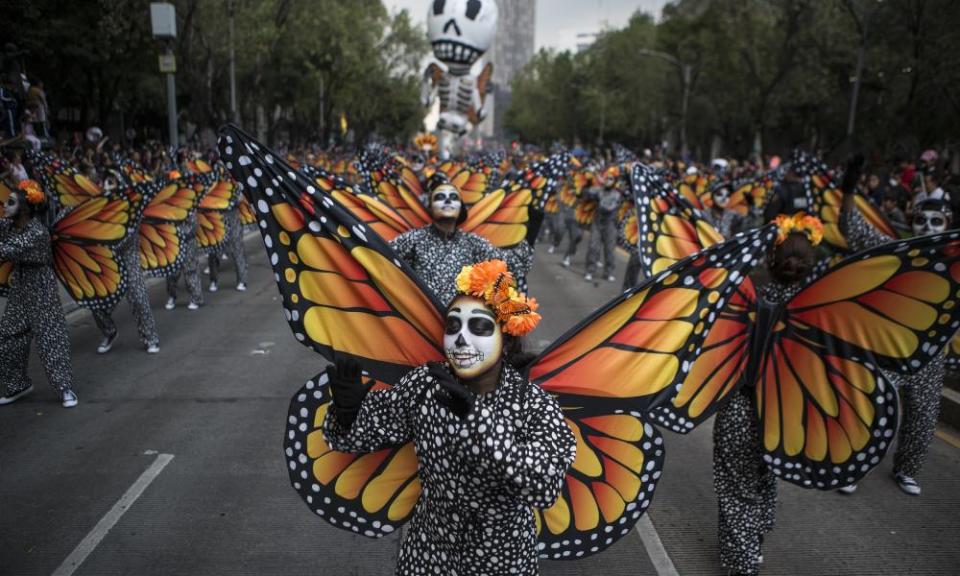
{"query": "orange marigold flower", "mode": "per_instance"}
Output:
(32, 191)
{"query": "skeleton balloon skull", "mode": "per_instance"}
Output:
(460, 31)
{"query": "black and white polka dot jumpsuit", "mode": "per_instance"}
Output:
(480, 476)
(920, 393)
(746, 488)
(232, 246)
(437, 258)
(137, 297)
(188, 269)
(33, 310)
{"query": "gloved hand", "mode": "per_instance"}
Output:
(346, 383)
(453, 394)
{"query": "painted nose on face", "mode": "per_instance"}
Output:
(461, 342)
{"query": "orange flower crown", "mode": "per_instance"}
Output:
(32, 191)
(426, 142)
(802, 223)
(491, 282)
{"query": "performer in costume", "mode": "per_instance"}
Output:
(33, 305)
(348, 296)
(439, 250)
(233, 247)
(136, 288)
(920, 393)
(189, 268)
(727, 222)
(603, 235)
(485, 437)
(816, 353)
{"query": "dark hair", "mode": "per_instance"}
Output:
(514, 353)
(793, 259)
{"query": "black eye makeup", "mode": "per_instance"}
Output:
(452, 325)
(481, 326)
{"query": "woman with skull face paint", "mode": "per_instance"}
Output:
(438, 251)
(33, 305)
(727, 222)
(489, 443)
(920, 392)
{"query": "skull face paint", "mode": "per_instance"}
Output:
(472, 340)
(445, 202)
(11, 207)
(929, 222)
(721, 197)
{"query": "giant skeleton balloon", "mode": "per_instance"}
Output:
(460, 32)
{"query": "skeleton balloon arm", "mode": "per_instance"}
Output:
(431, 78)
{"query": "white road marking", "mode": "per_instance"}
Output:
(95, 536)
(658, 554)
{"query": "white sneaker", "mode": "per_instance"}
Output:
(611, 278)
(907, 484)
(153, 349)
(242, 287)
(206, 270)
(848, 489)
(551, 249)
(213, 287)
(566, 262)
(107, 343)
(192, 306)
(69, 398)
(588, 277)
(171, 303)
(11, 398)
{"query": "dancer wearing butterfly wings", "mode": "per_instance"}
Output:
(809, 358)
(919, 392)
(474, 462)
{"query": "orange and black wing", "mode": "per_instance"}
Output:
(827, 411)
(395, 194)
(247, 217)
(471, 183)
(367, 208)
(69, 187)
(610, 371)
(369, 494)
(501, 216)
(211, 230)
(345, 292)
(85, 244)
(160, 236)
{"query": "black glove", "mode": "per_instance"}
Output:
(454, 395)
(851, 175)
(346, 383)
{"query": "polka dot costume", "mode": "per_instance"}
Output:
(479, 476)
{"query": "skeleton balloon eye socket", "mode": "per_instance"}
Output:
(452, 325)
(481, 326)
(438, 7)
(473, 8)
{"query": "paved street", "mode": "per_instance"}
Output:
(215, 399)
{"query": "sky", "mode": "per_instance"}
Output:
(559, 21)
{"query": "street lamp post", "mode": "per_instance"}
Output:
(686, 77)
(163, 21)
(234, 115)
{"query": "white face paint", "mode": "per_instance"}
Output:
(445, 203)
(721, 197)
(461, 30)
(12, 206)
(472, 340)
(929, 222)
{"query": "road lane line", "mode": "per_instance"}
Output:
(948, 437)
(95, 536)
(658, 554)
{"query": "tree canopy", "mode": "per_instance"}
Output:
(300, 66)
(764, 76)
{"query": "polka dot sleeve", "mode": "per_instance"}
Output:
(384, 418)
(525, 450)
(28, 246)
(860, 234)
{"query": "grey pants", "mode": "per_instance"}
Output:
(603, 236)
(137, 298)
(632, 276)
(190, 265)
(232, 247)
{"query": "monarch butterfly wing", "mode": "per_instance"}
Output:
(173, 203)
(211, 231)
(648, 333)
(85, 251)
(717, 370)
(585, 212)
(670, 228)
(607, 489)
(370, 494)
(221, 195)
(345, 293)
(471, 183)
(501, 217)
(410, 180)
(953, 353)
(398, 197)
(368, 209)
(69, 186)
(827, 409)
(160, 247)
(247, 217)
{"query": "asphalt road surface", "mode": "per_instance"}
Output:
(172, 464)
